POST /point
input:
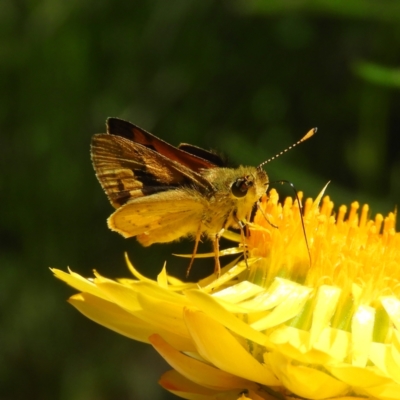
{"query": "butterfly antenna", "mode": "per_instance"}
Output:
(310, 133)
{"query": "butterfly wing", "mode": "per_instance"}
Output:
(162, 217)
(203, 154)
(190, 159)
(128, 170)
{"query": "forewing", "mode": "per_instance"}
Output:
(128, 170)
(204, 154)
(191, 160)
(161, 217)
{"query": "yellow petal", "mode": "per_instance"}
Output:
(152, 289)
(197, 371)
(163, 315)
(358, 377)
(78, 282)
(239, 292)
(218, 346)
(304, 381)
(362, 329)
(184, 388)
(279, 291)
(135, 272)
(344, 398)
(118, 320)
(211, 307)
(121, 295)
(325, 306)
(111, 316)
(386, 358)
(389, 391)
(287, 309)
(392, 307)
(334, 342)
(295, 344)
(222, 252)
(260, 395)
(162, 278)
(229, 272)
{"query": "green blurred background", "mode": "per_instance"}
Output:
(246, 78)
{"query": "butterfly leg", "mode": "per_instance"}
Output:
(196, 245)
(243, 237)
(242, 225)
(217, 266)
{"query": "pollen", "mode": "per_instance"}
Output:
(343, 248)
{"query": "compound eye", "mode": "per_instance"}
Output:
(241, 186)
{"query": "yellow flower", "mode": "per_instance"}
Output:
(315, 316)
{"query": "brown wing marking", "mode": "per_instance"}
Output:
(119, 127)
(128, 170)
(204, 154)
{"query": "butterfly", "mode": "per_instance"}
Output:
(163, 193)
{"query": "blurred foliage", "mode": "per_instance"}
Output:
(378, 74)
(246, 78)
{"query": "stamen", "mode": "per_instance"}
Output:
(353, 216)
(364, 215)
(341, 214)
(389, 223)
(307, 207)
(378, 222)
